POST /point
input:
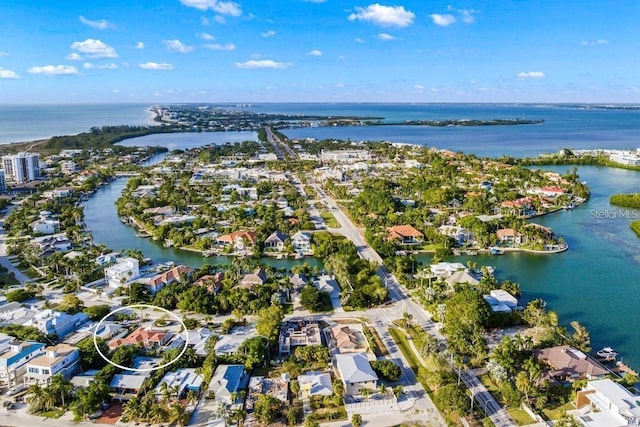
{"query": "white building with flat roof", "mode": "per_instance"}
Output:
(22, 167)
(125, 270)
(605, 403)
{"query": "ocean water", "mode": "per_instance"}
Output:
(20, 123)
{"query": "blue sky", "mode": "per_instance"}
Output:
(319, 51)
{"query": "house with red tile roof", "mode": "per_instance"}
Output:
(147, 337)
(406, 234)
(240, 240)
(155, 283)
(212, 282)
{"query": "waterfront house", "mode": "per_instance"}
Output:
(461, 276)
(239, 240)
(148, 338)
(14, 355)
(45, 226)
(565, 363)
(251, 280)
(356, 372)
(59, 359)
(501, 301)
(178, 383)
(460, 234)
(275, 242)
(315, 383)
(227, 383)
(405, 234)
(605, 403)
(160, 210)
(518, 207)
(446, 269)
(508, 236)
(125, 270)
(159, 281)
(301, 242)
(213, 282)
(52, 243)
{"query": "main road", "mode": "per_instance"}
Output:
(497, 413)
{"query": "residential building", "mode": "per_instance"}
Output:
(346, 339)
(461, 276)
(213, 282)
(344, 156)
(22, 167)
(125, 270)
(446, 269)
(275, 242)
(14, 355)
(240, 240)
(128, 384)
(276, 387)
(84, 379)
(45, 226)
(196, 339)
(3, 181)
(52, 322)
(157, 282)
(625, 158)
(59, 359)
(297, 333)
(53, 243)
(301, 242)
(509, 236)
(356, 372)
(251, 280)
(68, 167)
(315, 384)
(179, 383)
(228, 344)
(405, 234)
(150, 339)
(501, 301)
(329, 285)
(460, 234)
(566, 363)
(605, 403)
(227, 383)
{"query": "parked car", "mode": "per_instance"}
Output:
(17, 389)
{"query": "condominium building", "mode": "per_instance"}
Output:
(59, 359)
(22, 167)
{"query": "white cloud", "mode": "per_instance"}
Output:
(100, 24)
(139, 45)
(384, 16)
(467, 15)
(8, 74)
(314, 52)
(263, 63)
(221, 7)
(115, 91)
(3, 54)
(110, 66)
(206, 36)
(93, 48)
(73, 57)
(269, 33)
(341, 57)
(531, 75)
(54, 70)
(599, 42)
(442, 20)
(386, 37)
(359, 40)
(419, 88)
(339, 85)
(218, 46)
(177, 46)
(204, 20)
(156, 66)
(220, 19)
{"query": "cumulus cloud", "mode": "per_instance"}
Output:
(419, 88)
(54, 70)
(386, 37)
(263, 63)
(110, 66)
(359, 40)
(269, 33)
(442, 20)
(228, 8)
(218, 46)
(73, 57)
(531, 75)
(206, 36)
(8, 74)
(384, 16)
(314, 52)
(177, 46)
(599, 42)
(100, 24)
(93, 48)
(139, 45)
(3, 54)
(156, 66)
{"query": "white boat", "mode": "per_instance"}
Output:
(607, 353)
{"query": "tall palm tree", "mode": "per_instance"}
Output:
(35, 399)
(132, 409)
(176, 414)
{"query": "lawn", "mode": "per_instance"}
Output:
(520, 416)
(555, 413)
(8, 280)
(329, 219)
(377, 345)
(403, 345)
(287, 308)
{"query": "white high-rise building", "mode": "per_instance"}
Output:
(22, 167)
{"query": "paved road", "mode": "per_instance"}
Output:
(279, 146)
(496, 412)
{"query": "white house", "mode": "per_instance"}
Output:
(227, 383)
(125, 270)
(611, 405)
(275, 241)
(315, 384)
(45, 226)
(14, 355)
(356, 372)
(59, 359)
(179, 382)
(56, 322)
(301, 242)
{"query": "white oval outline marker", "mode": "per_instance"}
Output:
(95, 336)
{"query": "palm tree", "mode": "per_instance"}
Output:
(35, 399)
(365, 392)
(60, 388)
(523, 384)
(132, 409)
(382, 389)
(164, 390)
(176, 414)
(192, 397)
